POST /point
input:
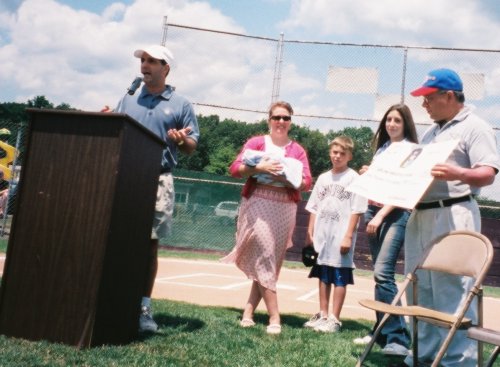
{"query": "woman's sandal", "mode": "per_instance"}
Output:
(273, 329)
(247, 323)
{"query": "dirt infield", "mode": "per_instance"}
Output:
(212, 283)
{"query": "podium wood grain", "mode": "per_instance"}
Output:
(77, 256)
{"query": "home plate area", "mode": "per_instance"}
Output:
(212, 283)
(216, 284)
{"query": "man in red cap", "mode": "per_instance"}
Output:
(448, 205)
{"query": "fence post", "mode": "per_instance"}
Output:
(403, 80)
(165, 29)
(277, 69)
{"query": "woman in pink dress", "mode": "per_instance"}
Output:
(268, 209)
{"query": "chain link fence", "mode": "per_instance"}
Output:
(206, 211)
(331, 86)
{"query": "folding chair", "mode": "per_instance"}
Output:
(486, 336)
(461, 253)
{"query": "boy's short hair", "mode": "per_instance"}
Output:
(344, 142)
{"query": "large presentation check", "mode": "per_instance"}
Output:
(401, 174)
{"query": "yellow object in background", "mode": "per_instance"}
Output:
(7, 153)
(7, 173)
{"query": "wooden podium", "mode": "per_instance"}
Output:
(77, 257)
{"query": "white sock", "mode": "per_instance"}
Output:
(332, 316)
(146, 301)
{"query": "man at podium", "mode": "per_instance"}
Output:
(159, 108)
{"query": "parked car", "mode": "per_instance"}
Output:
(227, 211)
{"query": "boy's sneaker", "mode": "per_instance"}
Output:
(146, 322)
(315, 320)
(331, 325)
(363, 341)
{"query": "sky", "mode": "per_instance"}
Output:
(80, 51)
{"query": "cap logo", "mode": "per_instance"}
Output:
(429, 77)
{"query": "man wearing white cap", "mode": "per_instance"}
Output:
(448, 205)
(172, 118)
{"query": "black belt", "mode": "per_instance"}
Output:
(443, 203)
(165, 170)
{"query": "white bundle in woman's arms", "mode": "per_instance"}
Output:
(292, 168)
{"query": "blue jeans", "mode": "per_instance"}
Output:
(385, 247)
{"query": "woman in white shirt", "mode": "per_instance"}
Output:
(385, 226)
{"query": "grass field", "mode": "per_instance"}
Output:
(204, 336)
(192, 335)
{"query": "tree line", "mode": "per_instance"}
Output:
(221, 140)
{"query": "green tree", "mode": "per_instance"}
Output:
(199, 158)
(13, 112)
(39, 102)
(220, 160)
(316, 145)
(221, 141)
(13, 117)
(362, 138)
(65, 107)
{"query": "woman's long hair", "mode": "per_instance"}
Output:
(409, 131)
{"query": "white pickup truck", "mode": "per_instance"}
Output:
(228, 211)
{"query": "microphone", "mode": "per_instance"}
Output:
(135, 84)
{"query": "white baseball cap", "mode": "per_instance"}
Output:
(158, 52)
